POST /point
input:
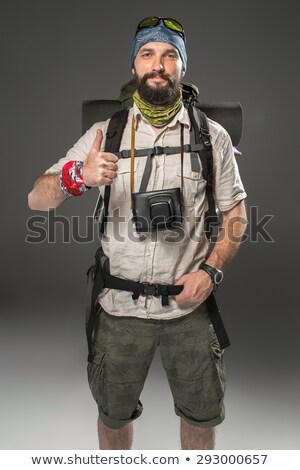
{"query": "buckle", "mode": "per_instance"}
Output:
(206, 137)
(150, 289)
(158, 150)
(207, 144)
(204, 131)
(125, 153)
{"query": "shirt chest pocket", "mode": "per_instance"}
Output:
(194, 184)
(121, 185)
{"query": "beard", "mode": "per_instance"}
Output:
(160, 94)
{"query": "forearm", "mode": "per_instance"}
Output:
(198, 285)
(229, 237)
(46, 193)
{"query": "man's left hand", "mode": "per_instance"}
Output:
(197, 287)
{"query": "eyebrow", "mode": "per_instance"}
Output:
(150, 49)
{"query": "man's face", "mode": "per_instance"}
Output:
(158, 70)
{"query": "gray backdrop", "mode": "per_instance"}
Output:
(56, 53)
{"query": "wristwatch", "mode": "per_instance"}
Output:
(216, 275)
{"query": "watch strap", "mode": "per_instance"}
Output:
(213, 272)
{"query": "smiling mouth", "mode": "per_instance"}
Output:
(157, 79)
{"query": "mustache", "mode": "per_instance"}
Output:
(162, 75)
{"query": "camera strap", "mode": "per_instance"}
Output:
(181, 160)
(132, 161)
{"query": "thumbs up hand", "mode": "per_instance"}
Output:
(99, 168)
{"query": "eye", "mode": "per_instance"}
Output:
(172, 55)
(146, 55)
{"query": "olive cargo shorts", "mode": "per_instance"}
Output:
(191, 356)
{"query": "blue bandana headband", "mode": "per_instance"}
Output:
(158, 33)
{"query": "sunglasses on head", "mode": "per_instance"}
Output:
(169, 23)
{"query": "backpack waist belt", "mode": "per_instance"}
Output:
(139, 288)
(164, 290)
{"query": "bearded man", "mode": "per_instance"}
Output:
(130, 327)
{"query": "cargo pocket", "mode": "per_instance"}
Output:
(97, 380)
(218, 360)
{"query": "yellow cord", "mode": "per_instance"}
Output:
(132, 160)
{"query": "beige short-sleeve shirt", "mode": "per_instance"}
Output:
(164, 256)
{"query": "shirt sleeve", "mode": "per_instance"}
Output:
(81, 149)
(228, 186)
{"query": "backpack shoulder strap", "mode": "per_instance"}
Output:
(201, 130)
(114, 134)
(212, 216)
(115, 130)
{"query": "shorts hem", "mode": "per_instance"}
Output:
(202, 424)
(119, 423)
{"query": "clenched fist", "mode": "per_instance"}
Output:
(99, 168)
(197, 287)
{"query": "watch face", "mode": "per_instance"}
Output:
(218, 277)
(215, 274)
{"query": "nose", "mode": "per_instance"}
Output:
(158, 64)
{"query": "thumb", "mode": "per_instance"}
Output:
(98, 140)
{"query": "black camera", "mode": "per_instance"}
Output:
(157, 210)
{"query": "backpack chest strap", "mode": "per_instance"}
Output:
(158, 150)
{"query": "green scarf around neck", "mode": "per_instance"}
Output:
(157, 115)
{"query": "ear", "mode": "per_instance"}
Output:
(132, 71)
